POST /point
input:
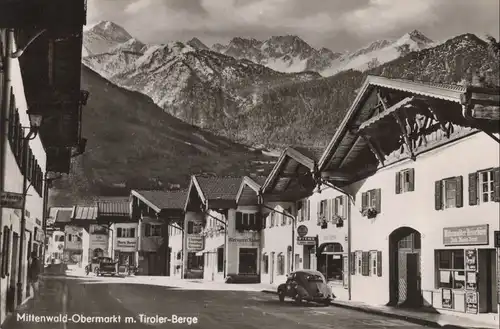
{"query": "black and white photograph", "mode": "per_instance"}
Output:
(250, 164)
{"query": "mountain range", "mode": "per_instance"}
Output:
(155, 94)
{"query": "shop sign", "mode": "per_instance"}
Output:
(446, 297)
(126, 244)
(195, 242)
(470, 260)
(244, 240)
(38, 234)
(302, 230)
(465, 235)
(471, 302)
(306, 240)
(11, 200)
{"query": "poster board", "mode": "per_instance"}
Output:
(447, 298)
(471, 302)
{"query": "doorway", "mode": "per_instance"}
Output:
(488, 299)
(12, 292)
(404, 264)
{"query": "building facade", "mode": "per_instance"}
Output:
(423, 183)
(125, 243)
(76, 246)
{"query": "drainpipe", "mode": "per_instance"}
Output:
(23, 221)
(349, 229)
(44, 214)
(4, 112)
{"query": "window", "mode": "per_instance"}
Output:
(152, 229)
(283, 218)
(98, 229)
(265, 263)
(281, 264)
(125, 232)
(190, 228)
(375, 263)
(448, 193)
(70, 237)
(304, 213)
(484, 186)
(220, 260)
(273, 218)
(248, 221)
(451, 269)
(405, 181)
(371, 200)
(359, 262)
(248, 261)
(331, 263)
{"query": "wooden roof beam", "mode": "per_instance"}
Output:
(374, 147)
(404, 134)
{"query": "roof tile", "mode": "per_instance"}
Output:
(166, 199)
(108, 208)
(222, 188)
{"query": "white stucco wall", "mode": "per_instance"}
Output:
(212, 243)
(175, 243)
(14, 183)
(416, 209)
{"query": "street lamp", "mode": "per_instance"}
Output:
(35, 123)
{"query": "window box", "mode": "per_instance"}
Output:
(371, 203)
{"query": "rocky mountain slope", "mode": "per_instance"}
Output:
(292, 54)
(193, 84)
(252, 104)
(134, 144)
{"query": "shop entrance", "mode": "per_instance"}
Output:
(488, 299)
(330, 261)
(404, 264)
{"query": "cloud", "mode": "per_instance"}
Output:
(382, 16)
(134, 7)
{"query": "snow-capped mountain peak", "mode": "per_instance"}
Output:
(197, 44)
(106, 36)
(111, 30)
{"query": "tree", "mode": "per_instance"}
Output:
(373, 63)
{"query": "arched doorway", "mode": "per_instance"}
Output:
(330, 261)
(404, 264)
(98, 252)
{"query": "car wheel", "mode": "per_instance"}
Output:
(281, 295)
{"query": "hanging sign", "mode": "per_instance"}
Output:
(302, 230)
(446, 297)
(471, 302)
(306, 240)
(470, 260)
(11, 200)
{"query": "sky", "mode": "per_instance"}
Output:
(336, 24)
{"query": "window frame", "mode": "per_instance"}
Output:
(445, 192)
(373, 262)
(358, 262)
(452, 270)
(490, 183)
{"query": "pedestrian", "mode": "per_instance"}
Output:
(34, 273)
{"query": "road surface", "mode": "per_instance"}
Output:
(125, 305)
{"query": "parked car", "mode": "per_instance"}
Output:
(306, 285)
(102, 266)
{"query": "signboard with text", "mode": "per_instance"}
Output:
(466, 235)
(302, 230)
(126, 244)
(195, 242)
(11, 200)
(306, 240)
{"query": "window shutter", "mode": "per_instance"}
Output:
(379, 263)
(364, 201)
(438, 198)
(411, 185)
(378, 200)
(365, 263)
(308, 210)
(336, 205)
(147, 229)
(398, 182)
(239, 221)
(496, 185)
(459, 192)
(318, 210)
(345, 204)
(352, 263)
(473, 197)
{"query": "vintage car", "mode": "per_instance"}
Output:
(306, 285)
(102, 266)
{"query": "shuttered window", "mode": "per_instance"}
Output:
(239, 221)
(379, 263)
(449, 193)
(405, 181)
(5, 251)
(372, 199)
(352, 263)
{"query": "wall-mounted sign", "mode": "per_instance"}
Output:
(306, 240)
(470, 260)
(471, 302)
(244, 240)
(302, 230)
(465, 235)
(11, 200)
(447, 298)
(195, 242)
(126, 244)
(497, 239)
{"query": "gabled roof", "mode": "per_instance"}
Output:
(291, 154)
(63, 215)
(219, 191)
(115, 209)
(447, 92)
(84, 212)
(160, 200)
(255, 183)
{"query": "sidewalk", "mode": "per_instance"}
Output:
(422, 317)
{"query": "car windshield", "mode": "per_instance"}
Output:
(314, 277)
(106, 260)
